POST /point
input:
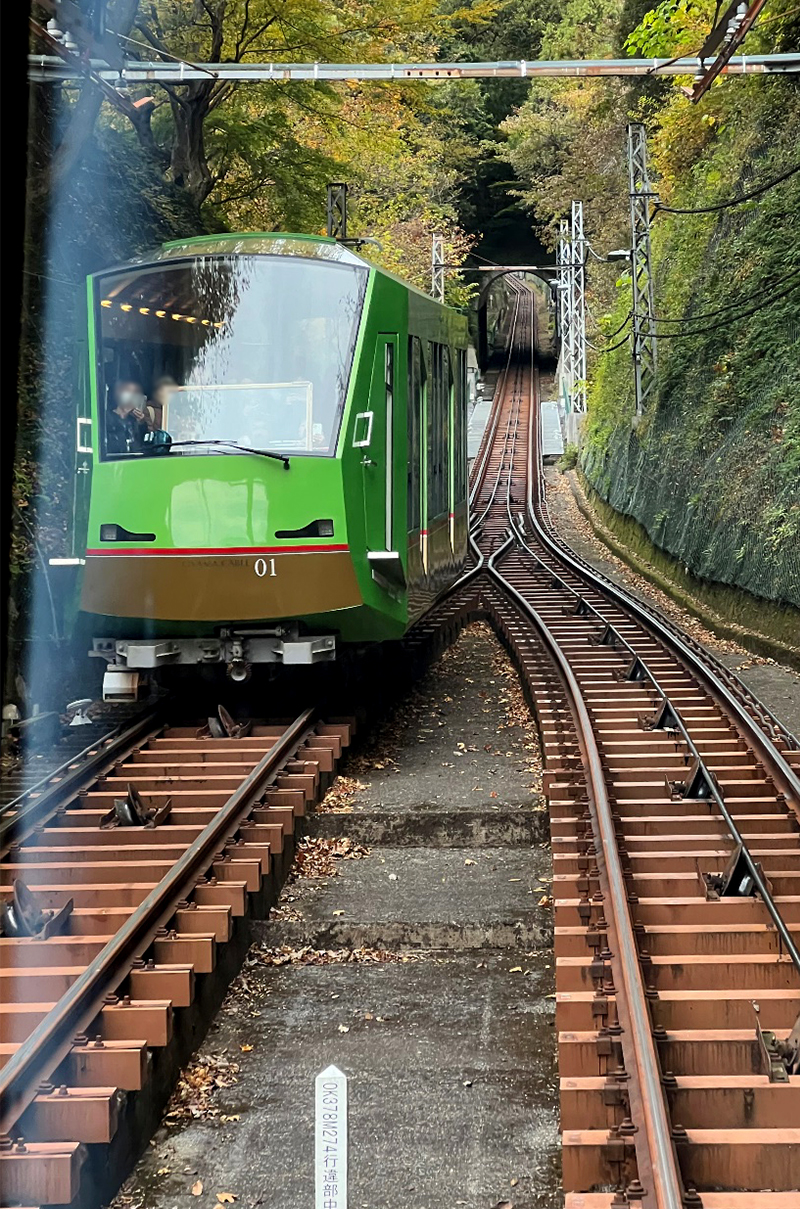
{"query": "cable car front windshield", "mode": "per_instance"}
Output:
(253, 351)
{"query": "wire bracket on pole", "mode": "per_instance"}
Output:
(729, 33)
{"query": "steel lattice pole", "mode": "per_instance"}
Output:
(644, 332)
(578, 309)
(565, 309)
(437, 267)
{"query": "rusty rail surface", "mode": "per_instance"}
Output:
(677, 869)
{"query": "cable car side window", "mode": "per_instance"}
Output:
(438, 434)
(254, 351)
(415, 373)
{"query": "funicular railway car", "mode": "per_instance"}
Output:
(278, 455)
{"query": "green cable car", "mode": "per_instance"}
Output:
(277, 455)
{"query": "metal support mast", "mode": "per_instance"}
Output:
(565, 322)
(562, 258)
(437, 267)
(644, 331)
(337, 211)
(578, 308)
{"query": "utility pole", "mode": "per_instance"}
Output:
(578, 309)
(437, 267)
(337, 211)
(644, 329)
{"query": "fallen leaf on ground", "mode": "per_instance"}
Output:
(286, 955)
(245, 1048)
(515, 970)
(197, 1188)
(193, 1097)
(317, 857)
(226, 1198)
(341, 795)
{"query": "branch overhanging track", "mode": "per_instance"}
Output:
(670, 787)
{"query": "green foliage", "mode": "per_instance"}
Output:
(568, 459)
(673, 27)
(487, 164)
(713, 469)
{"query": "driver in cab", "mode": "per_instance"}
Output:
(126, 422)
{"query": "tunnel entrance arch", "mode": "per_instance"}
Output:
(490, 276)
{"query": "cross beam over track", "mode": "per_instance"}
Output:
(55, 69)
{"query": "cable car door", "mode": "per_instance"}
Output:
(375, 437)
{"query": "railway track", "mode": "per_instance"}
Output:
(673, 795)
(124, 885)
(674, 800)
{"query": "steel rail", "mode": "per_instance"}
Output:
(771, 725)
(478, 523)
(52, 1039)
(480, 464)
(622, 600)
(79, 772)
(785, 776)
(655, 1152)
(16, 804)
(680, 726)
(63, 67)
(765, 715)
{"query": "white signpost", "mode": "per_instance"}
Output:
(331, 1139)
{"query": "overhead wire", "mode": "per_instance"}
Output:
(728, 306)
(617, 330)
(610, 348)
(734, 201)
(793, 277)
(740, 315)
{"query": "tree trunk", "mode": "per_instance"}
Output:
(189, 163)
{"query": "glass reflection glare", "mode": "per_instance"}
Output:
(259, 349)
